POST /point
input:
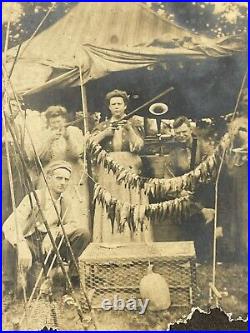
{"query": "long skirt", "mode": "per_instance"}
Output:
(102, 229)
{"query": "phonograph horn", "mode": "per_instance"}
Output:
(158, 109)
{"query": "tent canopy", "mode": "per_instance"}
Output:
(107, 38)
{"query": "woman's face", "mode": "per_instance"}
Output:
(117, 107)
(57, 123)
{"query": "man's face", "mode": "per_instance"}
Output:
(183, 133)
(97, 117)
(59, 180)
(117, 106)
(57, 123)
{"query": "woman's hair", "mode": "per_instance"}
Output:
(117, 93)
(55, 111)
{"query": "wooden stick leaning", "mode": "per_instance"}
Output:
(13, 201)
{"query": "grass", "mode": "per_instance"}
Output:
(231, 280)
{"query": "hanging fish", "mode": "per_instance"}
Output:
(132, 181)
(125, 210)
(109, 166)
(97, 150)
(118, 213)
(136, 215)
(111, 214)
(107, 198)
(96, 192)
(154, 287)
(147, 188)
(93, 148)
(121, 175)
(90, 146)
(100, 197)
(127, 179)
(158, 189)
(131, 221)
(153, 187)
(101, 156)
(115, 167)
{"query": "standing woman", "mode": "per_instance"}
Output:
(123, 143)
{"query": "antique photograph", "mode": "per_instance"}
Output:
(124, 166)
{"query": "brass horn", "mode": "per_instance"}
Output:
(158, 109)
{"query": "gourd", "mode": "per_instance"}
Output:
(154, 287)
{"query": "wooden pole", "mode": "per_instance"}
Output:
(6, 41)
(13, 201)
(87, 164)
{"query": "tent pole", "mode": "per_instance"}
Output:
(84, 103)
(87, 164)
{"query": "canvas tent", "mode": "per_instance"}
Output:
(104, 38)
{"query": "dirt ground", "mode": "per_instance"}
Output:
(231, 280)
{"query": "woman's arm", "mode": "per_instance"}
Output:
(99, 135)
(75, 142)
(42, 144)
(136, 142)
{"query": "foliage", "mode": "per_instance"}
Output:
(214, 19)
(26, 16)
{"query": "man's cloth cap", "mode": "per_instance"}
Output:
(59, 165)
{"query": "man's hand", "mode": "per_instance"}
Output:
(24, 256)
(208, 214)
(46, 246)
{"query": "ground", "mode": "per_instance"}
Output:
(231, 279)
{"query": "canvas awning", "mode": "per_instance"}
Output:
(106, 38)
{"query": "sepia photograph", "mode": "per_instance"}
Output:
(124, 166)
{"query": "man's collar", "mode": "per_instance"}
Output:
(48, 196)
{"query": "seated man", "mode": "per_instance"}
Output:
(24, 229)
